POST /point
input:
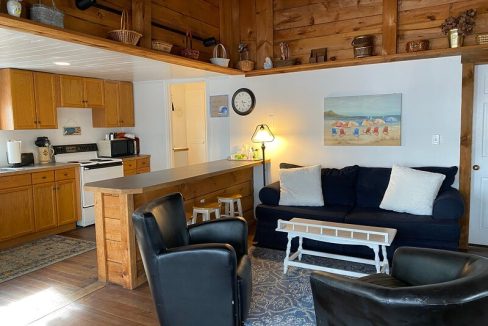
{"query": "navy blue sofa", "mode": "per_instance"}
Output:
(353, 195)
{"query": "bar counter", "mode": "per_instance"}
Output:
(118, 256)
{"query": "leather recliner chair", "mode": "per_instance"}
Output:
(198, 275)
(426, 287)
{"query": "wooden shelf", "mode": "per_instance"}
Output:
(473, 53)
(28, 26)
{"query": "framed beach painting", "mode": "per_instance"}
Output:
(365, 120)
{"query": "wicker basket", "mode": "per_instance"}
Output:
(123, 34)
(245, 65)
(161, 46)
(188, 51)
(482, 39)
(47, 15)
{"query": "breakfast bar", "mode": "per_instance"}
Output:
(118, 256)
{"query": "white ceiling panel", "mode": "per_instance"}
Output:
(33, 52)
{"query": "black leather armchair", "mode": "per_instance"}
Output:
(198, 275)
(427, 287)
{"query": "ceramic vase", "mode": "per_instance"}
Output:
(14, 8)
(455, 39)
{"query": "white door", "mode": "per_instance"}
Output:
(478, 224)
(188, 123)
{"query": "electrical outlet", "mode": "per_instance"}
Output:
(436, 139)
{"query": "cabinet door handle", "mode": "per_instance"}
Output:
(44, 177)
(66, 174)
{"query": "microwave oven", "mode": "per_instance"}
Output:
(117, 147)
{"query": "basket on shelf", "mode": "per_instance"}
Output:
(47, 15)
(245, 65)
(482, 39)
(218, 60)
(123, 34)
(188, 51)
(161, 46)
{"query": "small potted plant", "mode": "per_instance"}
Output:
(456, 27)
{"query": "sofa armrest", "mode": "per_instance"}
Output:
(448, 205)
(232, 230)
(270, 194)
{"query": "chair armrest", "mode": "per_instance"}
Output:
(231, 230)
(270, 194)
(448, 205)
(202, 277)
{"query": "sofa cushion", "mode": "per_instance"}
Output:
(411, 191)
(338, 185)
(409, 226)
(372, 183)
(301, 186)
(371, 186)
(332, 213)
(449, 172)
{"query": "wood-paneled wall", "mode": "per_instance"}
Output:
(310, 24)
(170, 19)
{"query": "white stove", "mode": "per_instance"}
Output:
(92, 168)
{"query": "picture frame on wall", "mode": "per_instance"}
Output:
(219, 106)
(365, 120)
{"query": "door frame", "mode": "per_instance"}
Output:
(169, 133)
(466, 138)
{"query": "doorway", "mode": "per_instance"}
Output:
(478, 224)
(188, 123)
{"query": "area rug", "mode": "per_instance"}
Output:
(286, 300)
(40, 253)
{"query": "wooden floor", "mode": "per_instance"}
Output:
(68, 293)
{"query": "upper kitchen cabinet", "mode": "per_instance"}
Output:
(79, 92)
(27, 100)
(119, 106)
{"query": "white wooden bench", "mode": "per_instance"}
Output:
(340, 233)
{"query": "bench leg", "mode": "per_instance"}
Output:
(287, 254)
(300, 248)
(376, 250)
(386, 265)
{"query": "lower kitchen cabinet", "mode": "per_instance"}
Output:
(136, 164)
(66, 202)
(33, 205)
(16, 213)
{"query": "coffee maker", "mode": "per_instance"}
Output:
(45, 150)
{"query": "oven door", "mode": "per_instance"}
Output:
(92, 174)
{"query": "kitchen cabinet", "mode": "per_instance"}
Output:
(27, 100)
(80, 92)
(36, 204)
(137, 165)
(119, 106)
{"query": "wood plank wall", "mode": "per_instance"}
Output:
(170, 19)
(310, 24)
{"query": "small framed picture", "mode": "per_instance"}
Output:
(71, 131)
(219, 106)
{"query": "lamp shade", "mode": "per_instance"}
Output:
(262, 134)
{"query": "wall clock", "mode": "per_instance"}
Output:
(243, 101)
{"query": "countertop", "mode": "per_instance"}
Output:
(140, 183)
(35, 168)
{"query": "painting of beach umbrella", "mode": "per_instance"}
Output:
(365, 120)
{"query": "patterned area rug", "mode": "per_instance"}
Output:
(40, 253)
(286, 300)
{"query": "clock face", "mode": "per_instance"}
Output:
(243, 101)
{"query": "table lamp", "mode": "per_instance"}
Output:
(262, 135)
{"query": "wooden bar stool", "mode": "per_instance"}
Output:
(230, 203)
(205, 209)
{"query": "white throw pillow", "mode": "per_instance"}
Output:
(301, 186)
(411, 191)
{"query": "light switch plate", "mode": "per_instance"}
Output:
(436, 139)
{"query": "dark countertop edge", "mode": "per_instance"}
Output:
(37, 168)
(113, 186)
(129, 157)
